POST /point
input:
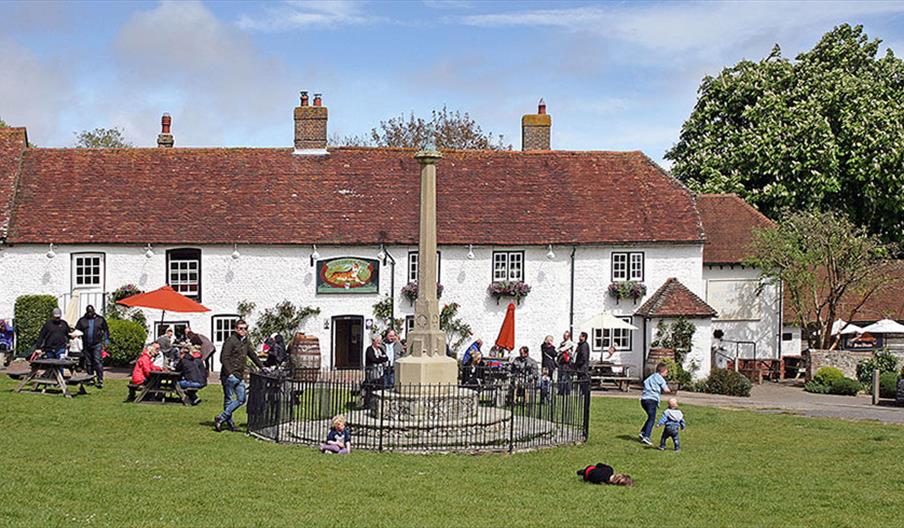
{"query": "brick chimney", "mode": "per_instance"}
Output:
(535, 129)
(165, 138)
(310, 126)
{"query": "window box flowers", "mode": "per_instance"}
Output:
(409, 291)
(515, 289)
(627, 290)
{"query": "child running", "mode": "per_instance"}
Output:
(673, 420)
(338, 440)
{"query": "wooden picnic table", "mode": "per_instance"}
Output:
(51, 374)
(605, 371)
(165, 383)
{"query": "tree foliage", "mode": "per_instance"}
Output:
(824, 130)
(825, 265)
(101, 138)
(285, 318)
(445, 129)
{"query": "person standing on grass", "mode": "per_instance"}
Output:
(653, 386)
(54, 337)
(95, 335)
(393, 352)
(232, 374)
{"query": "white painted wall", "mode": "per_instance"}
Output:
(744, 315)
(701, 348)
(267, 275)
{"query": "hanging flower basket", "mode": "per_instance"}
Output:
(515, 289)
(409, 291)
(627, 290)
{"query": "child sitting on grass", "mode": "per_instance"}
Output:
(338, 440)
(673, 420)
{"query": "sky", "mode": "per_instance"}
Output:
(614, 75)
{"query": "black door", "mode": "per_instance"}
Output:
(348, 341)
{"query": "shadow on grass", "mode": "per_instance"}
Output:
(629, 438)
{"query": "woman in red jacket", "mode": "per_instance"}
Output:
(145, 364)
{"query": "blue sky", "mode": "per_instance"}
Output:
(615, 75)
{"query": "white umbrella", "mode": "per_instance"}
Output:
(839, 328)
(885, 326)
(608, 321)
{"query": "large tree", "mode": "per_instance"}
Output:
(825, 130)
(446, 129)
(828, 268)
(101, 138)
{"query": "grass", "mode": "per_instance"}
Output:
(94, 461)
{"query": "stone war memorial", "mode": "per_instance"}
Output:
(428, 408)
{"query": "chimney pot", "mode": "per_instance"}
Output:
(165, 138)
(536, 128)
(311, 126)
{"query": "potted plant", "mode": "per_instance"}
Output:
(515, 289)
(409, 291)
(627, 290)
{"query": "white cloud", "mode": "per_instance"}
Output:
(299, 14)
(677, 28)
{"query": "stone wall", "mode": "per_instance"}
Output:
(844, 360)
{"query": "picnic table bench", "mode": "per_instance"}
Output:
(51, 374)
(605, 372)
(163, 383)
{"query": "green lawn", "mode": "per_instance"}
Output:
(94, 461)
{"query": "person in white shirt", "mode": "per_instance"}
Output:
(393, 349)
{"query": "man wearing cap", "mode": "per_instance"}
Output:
(95, 335)
(54, 336)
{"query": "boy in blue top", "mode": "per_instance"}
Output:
(673, 420)
(653, 386)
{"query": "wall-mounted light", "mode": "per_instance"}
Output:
(470, 252)
(51, 253)
(235, 252)
(148, 252)
(314, 255)
(326, 324)
(382, 254)
(549, 254)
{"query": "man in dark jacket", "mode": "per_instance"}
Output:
(95, 335)
(582, 361)
(194, 373)
(232, 373)
(54, 337)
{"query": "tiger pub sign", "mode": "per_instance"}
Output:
(348, 275)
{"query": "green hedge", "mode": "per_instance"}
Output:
(827, 375)
(845, 387)
(725, 381)
(126, 341)
(31, 312)
(888, 385)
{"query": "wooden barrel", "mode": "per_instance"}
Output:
(304, 357)
(655, 356)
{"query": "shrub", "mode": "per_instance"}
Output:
(118, 311)
(728, 382)
(816, 388)
(126, 340)
(678, 377)
(31, 312)
(888, 384)
(845, 387)
(884, 360)
(826, 375)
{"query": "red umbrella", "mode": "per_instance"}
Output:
(506, 337)
(164, 298)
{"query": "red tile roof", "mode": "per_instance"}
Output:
(13, 142)
(673, 299)
(352, 196)
(729, 223)
(886, 303)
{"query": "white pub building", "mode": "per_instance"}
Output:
(336, 229)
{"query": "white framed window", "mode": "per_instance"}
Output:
(221, 327)
(412, 266)
(183, 271)
(621, 339)
(178, 329)
(88, 270)
(508, 266)
(627, 266)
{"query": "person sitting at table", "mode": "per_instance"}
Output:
(193, 370)
(53, 341)
(167, 342)
(144, 366)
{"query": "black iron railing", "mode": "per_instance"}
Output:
(502, 415)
